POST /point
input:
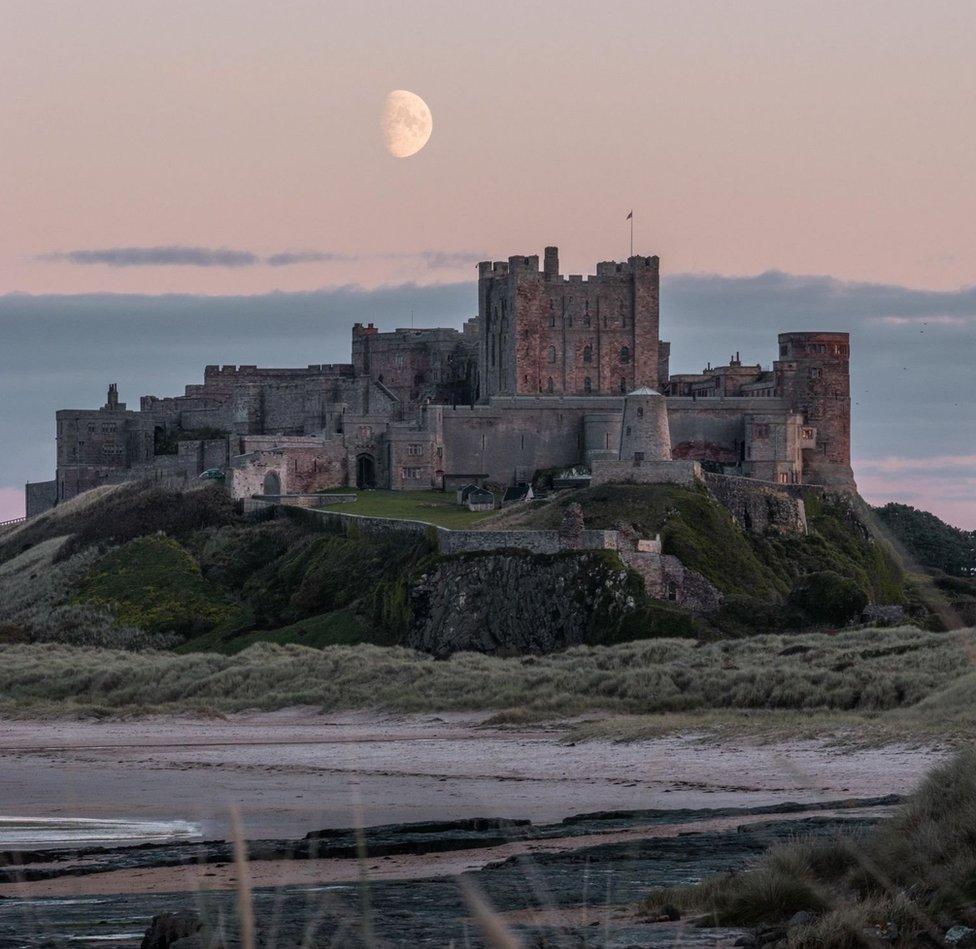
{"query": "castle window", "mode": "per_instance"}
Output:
(628, 431)
(587, 385)
(760, 430)
(587, 354)
(410, 473)
(415, 449)
(365, 431)
(623, 386)
(493, 350)
(552, 319)
(640, 411)
(816, 373)
(549, 386)
(552, 354)
(672, 590)
(605, 322)
(625, 354)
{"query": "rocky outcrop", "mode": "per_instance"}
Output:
(517, 602)
(166, 929)
(758, 507)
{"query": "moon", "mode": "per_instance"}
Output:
(406, 123)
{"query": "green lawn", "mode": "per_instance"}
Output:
(431, 507)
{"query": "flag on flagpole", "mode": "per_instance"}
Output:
(630, 216)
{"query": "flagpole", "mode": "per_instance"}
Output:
(631, 233)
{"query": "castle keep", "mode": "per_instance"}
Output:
(538, 380)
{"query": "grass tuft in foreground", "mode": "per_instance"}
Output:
(914, 875)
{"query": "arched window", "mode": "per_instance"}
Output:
(552, 354)
(552, 319)
(549, 386)
(587, 385)
(625, 354)
(587, 354)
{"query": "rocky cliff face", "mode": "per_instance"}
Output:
(515, 602)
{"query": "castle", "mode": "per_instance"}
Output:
(537, 381)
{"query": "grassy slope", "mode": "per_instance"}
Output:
(155, 584)
(431, 507)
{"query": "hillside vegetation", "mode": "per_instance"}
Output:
(139, 566)
(946, 553)
(770, 581)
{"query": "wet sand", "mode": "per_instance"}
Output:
(291, 772)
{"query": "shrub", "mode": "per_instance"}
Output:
(153, 583)
(917, 870)
(828, 597)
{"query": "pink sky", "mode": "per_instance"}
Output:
(806, 137)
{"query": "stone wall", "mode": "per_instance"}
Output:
(546, 333)
(666, 578)
(293, 470)
(813, 375)
(646, 472)
(40, 496)
(416, 364)
(537, 542)
(758, 507)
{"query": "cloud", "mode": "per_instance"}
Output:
(932, 465)
(451, 260)
(170, 256)
(821, 299)
(177, 255)
(289, 257)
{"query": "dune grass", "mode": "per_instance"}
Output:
(916, 871)
(891, 672)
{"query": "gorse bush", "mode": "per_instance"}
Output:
(916, 870)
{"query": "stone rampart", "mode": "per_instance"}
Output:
(757, 506)
(537, 542)
(647, 472)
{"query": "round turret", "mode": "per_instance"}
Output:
(645, 434)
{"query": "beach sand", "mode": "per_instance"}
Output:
(291, 772)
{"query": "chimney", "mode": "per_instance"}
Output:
(551, 266)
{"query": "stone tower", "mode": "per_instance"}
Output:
(813, 375)
(645, 434)
(541, 333)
